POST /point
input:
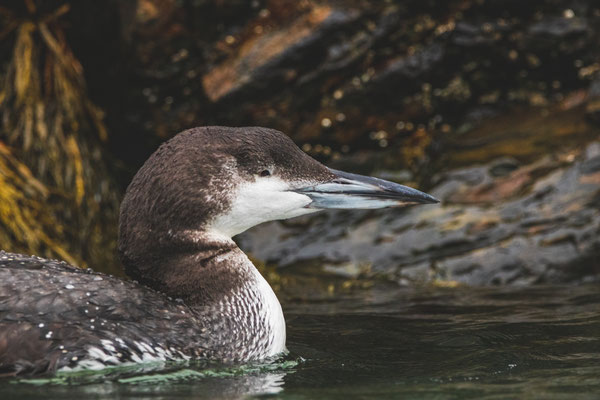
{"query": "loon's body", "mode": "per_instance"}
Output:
(198, 296)
(80, 319)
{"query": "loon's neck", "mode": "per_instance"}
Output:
(239, 311)
(248, 318)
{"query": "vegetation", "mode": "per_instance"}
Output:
(56, 196)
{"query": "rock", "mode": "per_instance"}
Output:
(330, 73)
(566, 34)
(274, 57)
(533, 223)
(592, 109)
(407, 70)
(470, 35)
(560, 27)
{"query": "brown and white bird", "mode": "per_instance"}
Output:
(198, 296)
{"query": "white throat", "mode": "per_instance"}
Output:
(265, 199)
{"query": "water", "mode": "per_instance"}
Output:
(387, 342)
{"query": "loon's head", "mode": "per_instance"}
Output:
(216, 182)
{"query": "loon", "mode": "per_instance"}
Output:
(195, 294)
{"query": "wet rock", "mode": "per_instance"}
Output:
(330, 73)
(554, 33)
(533, 223)
(497, 184)
(559, 27)
(274, 57)
(470, 35)
(593, 104)
(403, 71)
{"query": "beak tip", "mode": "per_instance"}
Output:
(425, 198)
(419, 197)
(434, 200)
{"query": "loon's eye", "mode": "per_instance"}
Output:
(265, 172)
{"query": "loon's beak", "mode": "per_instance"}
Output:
(352, 191)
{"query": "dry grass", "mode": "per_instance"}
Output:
(56, 197)
(28, 226)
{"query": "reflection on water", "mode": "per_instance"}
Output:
(541, 342)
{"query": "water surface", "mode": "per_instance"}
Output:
(390, 342)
